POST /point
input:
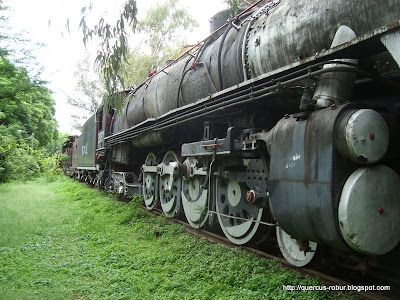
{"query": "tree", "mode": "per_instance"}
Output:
(25, 105)
(89, 89)
(2, 19)
(235, 5)
(28, 130)
(56, 144)
(138, 67)
(160, 32)
(113, 47)
(26, 115)
(19, 47)
(162, 28)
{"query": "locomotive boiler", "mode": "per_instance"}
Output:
(286, 117)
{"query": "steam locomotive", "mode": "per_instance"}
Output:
(287, 117)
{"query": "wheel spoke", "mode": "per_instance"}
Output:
(150, 182)
(170, 186)
(194, 195)
(297, 253)
(239, 220)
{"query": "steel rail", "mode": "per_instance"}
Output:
(319, 276)
(217, 239)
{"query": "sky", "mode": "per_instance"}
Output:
(44, 22)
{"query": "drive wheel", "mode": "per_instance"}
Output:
(170, 186)
(150, 182)
(239, 220)
(194, 194)
(297, 253)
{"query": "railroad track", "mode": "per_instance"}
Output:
(324, 279)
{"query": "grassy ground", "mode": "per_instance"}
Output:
(61, 240)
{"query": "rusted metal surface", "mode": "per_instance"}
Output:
(294, 31)
(267, 49)
(363, 45)
(181, 83)
(300, 178)
(289, 116)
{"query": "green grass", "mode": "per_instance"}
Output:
(62, 240)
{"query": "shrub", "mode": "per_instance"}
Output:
(51, 166)
(16, 162)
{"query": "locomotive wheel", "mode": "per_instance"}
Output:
(297, 253)
(170, 188)
(239, 220)
(194, 196)
(120, 188)
(149, 183)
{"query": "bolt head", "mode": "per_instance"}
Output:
(380, 210)
(371, 136)
(250, 196)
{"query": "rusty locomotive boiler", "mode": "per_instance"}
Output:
(287, 117)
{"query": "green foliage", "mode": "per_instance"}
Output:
(140, 64)
(20, 162)
(25, 105)
(2, 17)
(113, 48)
(160, 32)
(26, 121)
(22, 165)
(56, 144)
(16, 160)
(162, 28)
(235, 5)
(72, 242)
(51, 166)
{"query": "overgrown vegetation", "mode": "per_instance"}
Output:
(61, 240)
(28, 129)
(51, 166)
